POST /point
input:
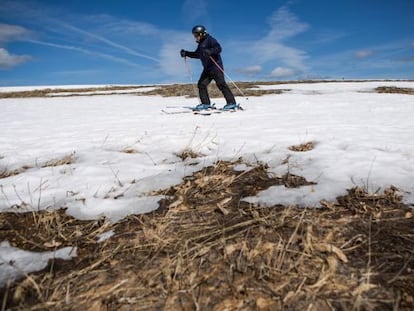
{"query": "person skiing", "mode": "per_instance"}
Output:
(208, 51)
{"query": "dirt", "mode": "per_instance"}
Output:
(207, 249)
(248, 89)
(395, 90)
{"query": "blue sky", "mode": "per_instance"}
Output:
(138, 42)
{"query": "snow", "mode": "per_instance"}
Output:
(124, 148)
(15, 263)
(105, 236)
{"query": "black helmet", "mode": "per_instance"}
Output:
(199, 29)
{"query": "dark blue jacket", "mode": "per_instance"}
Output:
(211, 44)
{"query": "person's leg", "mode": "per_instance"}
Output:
(224, 88)
(203, 82)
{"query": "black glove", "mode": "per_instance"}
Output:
(207, 52)
(183, 53)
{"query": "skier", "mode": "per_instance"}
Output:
(208, 51)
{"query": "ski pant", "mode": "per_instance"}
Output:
(204, 81)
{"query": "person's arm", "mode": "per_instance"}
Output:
(190, 54)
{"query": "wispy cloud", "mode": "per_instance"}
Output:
(361, 54)
(132, 43)
(250, 70)
(326, 36)
(128, 27)
(284, 24)
(8, 60)
(281, 53)
(86, 51)
(110, 42)
(171, 64)
(273, 47)
(407, 59)
(282, 73)
(79, 33)
(10, 33)
(374, 61)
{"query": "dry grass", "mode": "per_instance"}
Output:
(64, 160)
(89, 91)
(303, 147)
(188, 153)
(248, 88)
(206, 249)
(4, 172)
(129, 150)
(189, 90)
(395, 90)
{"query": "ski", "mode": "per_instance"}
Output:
(204, 112)
(177, 109)
(185, 109)
(166, 111)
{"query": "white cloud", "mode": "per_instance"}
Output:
(363, 54)
(289, 56)
(272, 47)
(282, 72)
(285, 24)
(130, 28)
(12, 32)
(251, 70)
(171, 63)
(110, 43)
(8, 60)
(86, 51)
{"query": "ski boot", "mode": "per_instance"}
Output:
(231, 107)
(203, 107)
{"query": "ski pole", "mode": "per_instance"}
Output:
(227, 76)
(191, 77)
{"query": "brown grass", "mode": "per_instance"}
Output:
(248, 88)
(4, 172)
(188, 153)
(189, 90)
(206, 249)
(50, 92)
(395, 90)
(303, 147)
(64, 160)
(129, 151)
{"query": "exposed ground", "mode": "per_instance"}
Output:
(248, 89)
(206, 249)
(398, 90)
